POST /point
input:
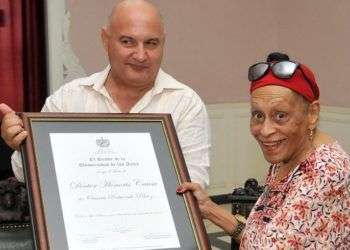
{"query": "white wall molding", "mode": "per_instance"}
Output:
(336, 122)
(63, 65)
(236, 156)
(55, 10)
(232, 146)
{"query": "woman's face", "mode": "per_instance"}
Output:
(279, 122)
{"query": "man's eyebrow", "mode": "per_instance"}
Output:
(153, 38)
(126, 37)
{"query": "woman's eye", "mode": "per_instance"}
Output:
(257, 116)
(280, 116)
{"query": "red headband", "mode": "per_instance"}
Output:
(303, 82)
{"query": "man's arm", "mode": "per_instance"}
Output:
(13, 133)
(194, 135)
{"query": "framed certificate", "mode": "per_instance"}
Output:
(108, 182)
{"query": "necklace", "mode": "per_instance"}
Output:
(267, 188)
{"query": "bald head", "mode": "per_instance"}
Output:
(135, 9)
(134, 41)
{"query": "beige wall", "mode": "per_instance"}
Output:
(209, 46)
(211, 43)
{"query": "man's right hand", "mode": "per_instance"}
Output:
(11, 127)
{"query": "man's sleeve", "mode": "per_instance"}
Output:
(51, 105)
(193, 131)
(17, 166)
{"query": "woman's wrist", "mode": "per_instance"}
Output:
(240, 222)
(220, 216)
(233, 225)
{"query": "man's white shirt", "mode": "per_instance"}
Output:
(188, 112)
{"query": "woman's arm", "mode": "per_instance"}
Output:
(212, 211)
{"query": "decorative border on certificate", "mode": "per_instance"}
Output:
(108, 181)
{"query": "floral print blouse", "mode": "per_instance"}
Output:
(308, 209)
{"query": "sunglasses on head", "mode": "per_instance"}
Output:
(282, 69)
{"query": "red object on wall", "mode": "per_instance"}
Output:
(11, 46)
(34, 56)
(2, 18)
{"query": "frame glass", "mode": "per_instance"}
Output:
(108, 181)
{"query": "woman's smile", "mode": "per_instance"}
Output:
(272, 146)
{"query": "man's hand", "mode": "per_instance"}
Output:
(11, 127)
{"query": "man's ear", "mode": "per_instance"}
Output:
(105, 38)
(314, 114)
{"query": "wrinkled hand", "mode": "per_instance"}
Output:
(11, 127)
(204, 202)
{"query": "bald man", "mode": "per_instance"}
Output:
(133, 82)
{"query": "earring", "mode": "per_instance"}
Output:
(311, 134)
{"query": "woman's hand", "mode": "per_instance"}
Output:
(204, 202)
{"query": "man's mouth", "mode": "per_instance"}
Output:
(138, 66)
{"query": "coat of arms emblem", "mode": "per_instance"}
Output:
(102, 142)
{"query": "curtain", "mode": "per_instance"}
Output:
(22, 62)
(34, 55)
(23, 84)
(11, 48)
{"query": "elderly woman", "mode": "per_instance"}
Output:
(306, 202)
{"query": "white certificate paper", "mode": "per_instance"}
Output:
(112, 193)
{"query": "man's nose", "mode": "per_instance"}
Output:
(140, 54)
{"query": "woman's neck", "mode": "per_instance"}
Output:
(321, 138)
(284, 168)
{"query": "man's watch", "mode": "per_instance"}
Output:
(240, 226)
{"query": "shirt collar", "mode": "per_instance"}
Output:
(97, 80)
(163, 81)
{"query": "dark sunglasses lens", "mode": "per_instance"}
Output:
(256, 71)
(284, 69)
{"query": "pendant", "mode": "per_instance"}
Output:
(266, 196)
